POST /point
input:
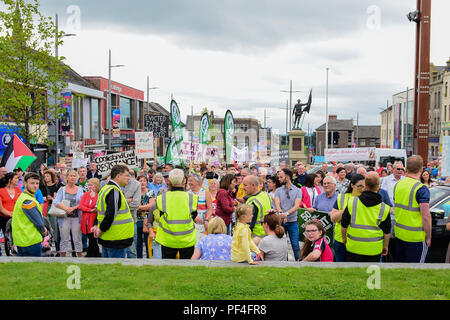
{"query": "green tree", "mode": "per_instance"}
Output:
(31, 78)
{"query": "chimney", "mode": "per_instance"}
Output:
(332, 117)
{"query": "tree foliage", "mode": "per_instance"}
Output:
(31, 78)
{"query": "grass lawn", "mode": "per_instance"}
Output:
(40, 281)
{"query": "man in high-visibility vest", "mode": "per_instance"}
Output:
(412, 214)
(178, 211)
(116, 225)
(261, 203)
(27, 221)
(366, 224)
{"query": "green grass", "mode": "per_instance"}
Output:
(41, 281)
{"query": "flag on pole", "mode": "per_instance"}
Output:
(172, 155)
(17, 155)
(308, 106)
(204, 128)
(229, 136)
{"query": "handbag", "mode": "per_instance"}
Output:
(55, 211)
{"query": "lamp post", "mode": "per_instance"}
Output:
(148, 93)
(109, 118)
(56, 117)
(326, 114)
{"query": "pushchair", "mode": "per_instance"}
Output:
(46, 242)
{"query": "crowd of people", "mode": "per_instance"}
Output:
(243, 213)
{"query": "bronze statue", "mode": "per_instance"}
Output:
(299, 112)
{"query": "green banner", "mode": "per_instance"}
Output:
(172, 155)
(228, 135)
(204, 128)
(177, 128)
(304, 216)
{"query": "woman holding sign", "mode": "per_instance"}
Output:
(315, 247)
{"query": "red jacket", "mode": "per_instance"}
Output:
(87, 203)
(225, 205)
(306, 199)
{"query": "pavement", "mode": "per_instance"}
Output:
(220, 264)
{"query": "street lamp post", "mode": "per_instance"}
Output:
(109, 119)
(326, 114)
(148, 93)
(56, 116)
(290, 103)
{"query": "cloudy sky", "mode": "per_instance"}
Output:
(240, 54)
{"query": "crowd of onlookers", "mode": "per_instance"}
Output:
(225, 228)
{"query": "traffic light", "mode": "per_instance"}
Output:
(335, 138)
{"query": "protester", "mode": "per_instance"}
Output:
(310, 190)
(115, 229)
(82, 179)
(176, 232)
(225, 202)
(70, 225)
(390, 181)
(342, 182)
(213, 189)
(272, 184)
(216, 245)
(27, 225)
(8, 198)
(300, 178)
(260, 201)
(240, 194)
(242, 244)
(88, 208)
(319, 181)
(93, 173)
(325, 201)
(204, 207)
(425, 178)
(132, 192)
(274, 246)
(287, 202)
(412, 214)
(147, 201)
(19, 172)
(315, 248)
(355, 189)
(157, 183)
(366, 224)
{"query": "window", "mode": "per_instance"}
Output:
(139, 114)
(126, 114)
(95, 116)
(362, 142)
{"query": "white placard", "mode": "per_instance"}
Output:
(350, 154)
(144, 145)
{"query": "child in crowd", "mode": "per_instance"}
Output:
(315, 248)
(274, 246)
(242, 244)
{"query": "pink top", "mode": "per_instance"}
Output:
(324, 248)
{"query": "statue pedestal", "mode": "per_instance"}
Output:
(297, 146)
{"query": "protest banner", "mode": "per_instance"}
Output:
(191, 151)
(204, 128)
(144, 145)
(211, 154)
(116, 122)
(157, 124)
(239, 155)
(106, 162)
(304, 216)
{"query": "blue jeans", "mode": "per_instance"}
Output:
(141, 237)
(292, 229)
(113, 252)
(340, 252)
(415, 252)
(34, 250)
(131, 250)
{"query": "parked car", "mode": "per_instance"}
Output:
(439, 209)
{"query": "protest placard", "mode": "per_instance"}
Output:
(191, 151)
(157, 124)
(304, 216)
(144, 145)
(106, 162)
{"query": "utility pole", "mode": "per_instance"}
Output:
(326, 114)
(290, 104)
(422, 17)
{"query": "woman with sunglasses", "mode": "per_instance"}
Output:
(355, 189)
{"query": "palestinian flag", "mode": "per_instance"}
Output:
(17, 155)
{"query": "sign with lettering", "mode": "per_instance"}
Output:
(144, 145)
(304, 216)
(350, 154)
(191, 151)
(106, 162)
(157, 124)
